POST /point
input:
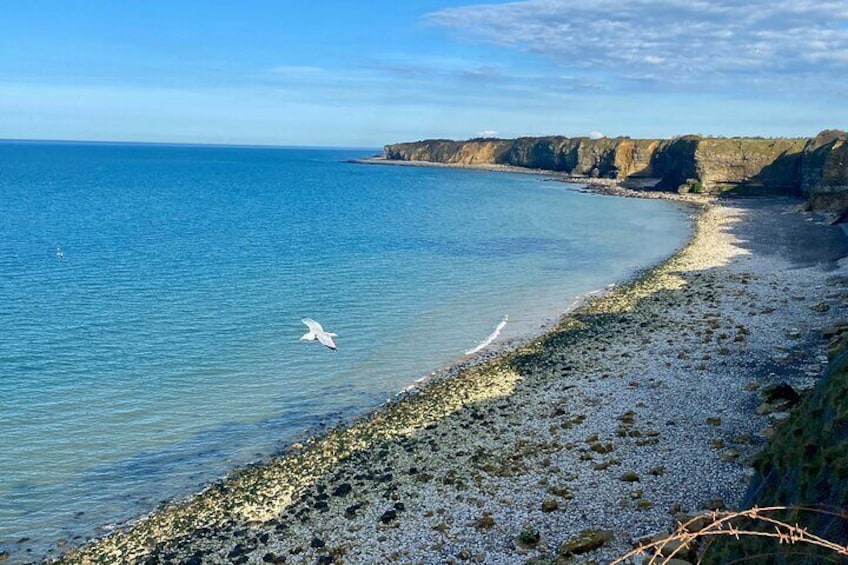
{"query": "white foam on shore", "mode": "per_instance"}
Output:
(492, 337)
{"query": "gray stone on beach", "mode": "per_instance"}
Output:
(342, 490)
(820, 307)
(630, 477)
(584, 542)
(388, 516)
(529, 537)
(835, 329)
(729, 455)
(671, 545)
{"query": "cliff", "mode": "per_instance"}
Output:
(607, 157)
(824, 175)
(815, 168)
(771, 164)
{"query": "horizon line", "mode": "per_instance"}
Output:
(182, 144)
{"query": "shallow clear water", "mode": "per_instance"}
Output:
(161, 349)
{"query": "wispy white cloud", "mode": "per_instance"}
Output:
(688, 43)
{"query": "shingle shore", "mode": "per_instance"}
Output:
(642, 402)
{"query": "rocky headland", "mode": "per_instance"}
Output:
(815, 168)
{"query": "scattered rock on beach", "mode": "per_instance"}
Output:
(388, 516)
(729, 455)
(821, 307)
(778, 398)
(342, 490)
(237, 551)
(694, 522)
(836, 329)
(529, 537)
(484, 522)
(550, 505)
(630, 477)
(584, 542)
(715, 504)
(672, 546)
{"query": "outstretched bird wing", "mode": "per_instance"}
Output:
(312, 325)
(327, 340)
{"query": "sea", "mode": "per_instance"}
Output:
(151, 299)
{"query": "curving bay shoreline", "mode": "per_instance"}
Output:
(639, 403)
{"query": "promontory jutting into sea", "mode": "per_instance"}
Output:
(152, 298)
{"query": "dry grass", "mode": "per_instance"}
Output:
(736, 525)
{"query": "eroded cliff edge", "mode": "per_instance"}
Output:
(813, 168)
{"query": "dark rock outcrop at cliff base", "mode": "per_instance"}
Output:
(816, 168)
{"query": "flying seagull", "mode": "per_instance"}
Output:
(317, 332)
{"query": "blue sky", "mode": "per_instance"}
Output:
(350, 73)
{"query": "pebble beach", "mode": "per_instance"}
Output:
(643, 405)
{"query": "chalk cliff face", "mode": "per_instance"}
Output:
(815, 168)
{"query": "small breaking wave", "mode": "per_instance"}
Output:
(492, 337)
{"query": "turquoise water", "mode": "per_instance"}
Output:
(160, 348)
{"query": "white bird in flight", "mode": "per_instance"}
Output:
(317, 332)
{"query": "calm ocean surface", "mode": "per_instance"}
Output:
(161, 349)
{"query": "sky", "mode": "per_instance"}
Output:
(370, 72)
